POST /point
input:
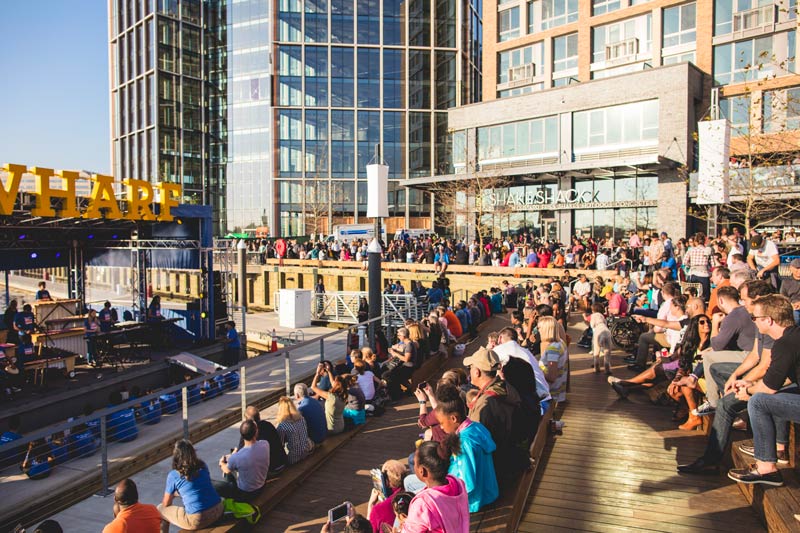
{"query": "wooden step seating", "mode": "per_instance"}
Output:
(775, 505)
(292, 477)
(506, 513)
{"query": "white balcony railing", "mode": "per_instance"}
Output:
(521, 75)
(758, 17)
(626, 49)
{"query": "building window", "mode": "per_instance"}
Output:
(678, 58)
(781, 110)
(459, 149)
(558, 12)
(630, 124)
(520, 65)
(741, 15)
(531, 17)
(518, 140)
(600, 7)
(737, 110)
(754, 59)
(625, 39)
(508, 24)
(679, 25)
(565, 52)
(289, 21)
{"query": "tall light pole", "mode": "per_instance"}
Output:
(377, 207)
(241, 250)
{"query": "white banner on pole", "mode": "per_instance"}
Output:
(713, 171)
(377, 191)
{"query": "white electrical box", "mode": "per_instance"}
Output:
(294, 308)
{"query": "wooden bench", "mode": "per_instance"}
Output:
(506, 513)
(292, 477)
(775, 505)
(289, 480)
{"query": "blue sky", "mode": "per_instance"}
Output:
(54, 93)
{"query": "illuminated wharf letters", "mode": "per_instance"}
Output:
(102, 203)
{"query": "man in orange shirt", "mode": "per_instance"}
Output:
(130, 516)
(453, 323)
(720, 277)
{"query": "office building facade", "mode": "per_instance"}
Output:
(591, 107)
(296, 95)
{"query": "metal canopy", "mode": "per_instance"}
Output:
(38, 242)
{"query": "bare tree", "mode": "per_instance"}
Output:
(765, 148)
(465, 202)
(316, 207)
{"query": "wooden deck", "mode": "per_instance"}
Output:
(346, 476)
(613, 469)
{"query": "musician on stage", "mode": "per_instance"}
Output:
(8, 319)
(93, 326)
(43, 295)
(154, 310)
(24, 321)
(107, 318)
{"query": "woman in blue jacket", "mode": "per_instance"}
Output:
(473, 464)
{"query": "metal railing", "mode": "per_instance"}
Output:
(342, 307)
(116, 442)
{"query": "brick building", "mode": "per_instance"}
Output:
(590, 109)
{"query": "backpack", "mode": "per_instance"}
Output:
(249, 512)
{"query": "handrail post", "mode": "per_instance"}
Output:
(185, 411)
(243, 389)
(104, 451)
(287, 370)
(322, 349)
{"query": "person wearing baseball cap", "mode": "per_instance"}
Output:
(790, 287)
(494, 407)
(764, 258)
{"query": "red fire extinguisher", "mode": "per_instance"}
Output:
(149, 291)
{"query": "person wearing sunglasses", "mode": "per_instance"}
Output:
(696, 339)
(770, 403)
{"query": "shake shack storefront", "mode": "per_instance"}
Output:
(585, 206)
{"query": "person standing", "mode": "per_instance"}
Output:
(698, 259)
(233, 345)
(791, 288)
(43, 295)
(764, 258)
(8, 319)
(106, 318)
(91, 327)
(130, 516)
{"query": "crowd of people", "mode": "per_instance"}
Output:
(703, 304)
(721, 338)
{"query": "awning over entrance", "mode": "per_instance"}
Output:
(608, 168)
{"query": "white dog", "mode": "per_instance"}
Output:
(602, 343)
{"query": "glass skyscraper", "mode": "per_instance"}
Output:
(157, 93)
(297, 94)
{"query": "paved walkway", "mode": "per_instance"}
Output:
(614, 469)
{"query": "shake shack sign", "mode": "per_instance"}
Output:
(555, 199)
